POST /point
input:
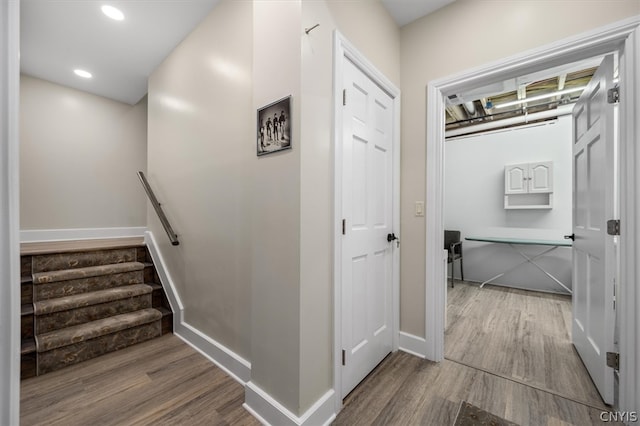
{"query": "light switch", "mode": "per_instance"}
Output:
(420, 208)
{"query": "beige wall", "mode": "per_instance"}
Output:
(79, 155)
(461, 36)
(371, 30)
(200, 155)
(275, 193)
(254, 268)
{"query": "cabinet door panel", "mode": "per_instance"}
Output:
(541, 177)
(516, 178)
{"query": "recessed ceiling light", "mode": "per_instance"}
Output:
(112, 12)
(82, 73)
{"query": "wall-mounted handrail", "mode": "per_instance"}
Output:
(156, 205)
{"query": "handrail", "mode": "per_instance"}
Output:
(156, 205)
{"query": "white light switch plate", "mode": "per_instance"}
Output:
(419, 208)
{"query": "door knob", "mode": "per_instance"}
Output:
(392, 237)
(571, 237)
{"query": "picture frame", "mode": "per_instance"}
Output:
(274, 127)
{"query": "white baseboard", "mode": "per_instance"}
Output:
(227, 360)
(230, 362)
(39, 235)
(165, 280)
(413, 345)
(260, 404)
(270, 412)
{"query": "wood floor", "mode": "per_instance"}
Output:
(166, 382)
(160, 382)
(521, 335)
(508, 352)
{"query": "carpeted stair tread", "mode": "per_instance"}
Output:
(59, 304)
(86, 272)
(83, 332)
(71, 260)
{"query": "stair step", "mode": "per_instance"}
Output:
(73, 260)
(122, 274)
(71, 345)
(26, 309)
(84, 299)
(86, 272)
(27, 346)
(91, 330)
(54, 314)
(67, 303)
(28, 358)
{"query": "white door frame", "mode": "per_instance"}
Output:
(344, 49)
(622, 36)
(9, 214)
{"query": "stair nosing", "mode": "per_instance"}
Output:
(85, 272)
(152, 315)
(119, 293)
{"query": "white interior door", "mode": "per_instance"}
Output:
(367, 177)
(593, 250)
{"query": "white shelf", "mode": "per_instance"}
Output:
(529, 201)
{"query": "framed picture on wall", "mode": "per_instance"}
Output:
(274, 127)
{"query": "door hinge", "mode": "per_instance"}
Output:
(613, 360)
(613, 227)
(344, 96)
(613, 95)
(344, 226)
(343, 357)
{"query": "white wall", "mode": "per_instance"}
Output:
(433, 47)
(9, 214)
(79, 157)
(474, 203)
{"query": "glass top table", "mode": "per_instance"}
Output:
(514, 242)
(523, 241)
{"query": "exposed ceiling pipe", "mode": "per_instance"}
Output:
(470, 107)
(489, 125)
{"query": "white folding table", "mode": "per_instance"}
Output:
(514, 242)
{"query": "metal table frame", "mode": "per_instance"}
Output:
(513, 242)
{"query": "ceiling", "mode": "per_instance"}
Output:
(525, 95)
(406, 11)
(59, 36)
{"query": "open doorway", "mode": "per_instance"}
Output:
(616, 38)
(508, 191)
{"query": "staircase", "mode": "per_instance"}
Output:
(84, 299)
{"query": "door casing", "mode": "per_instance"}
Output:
(622, 37)
(342, 51)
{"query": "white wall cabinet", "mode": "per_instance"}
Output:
(528, 185)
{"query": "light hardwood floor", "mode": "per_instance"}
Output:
(166, 382)
(160, 382)
(520, 335)
(508, 352)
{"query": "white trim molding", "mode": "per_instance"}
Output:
(342, 50)
(413, 345)
(270, 412)
(39, 235)
(622, 37)
(227, 360)
(629, 157)
(9, 213)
